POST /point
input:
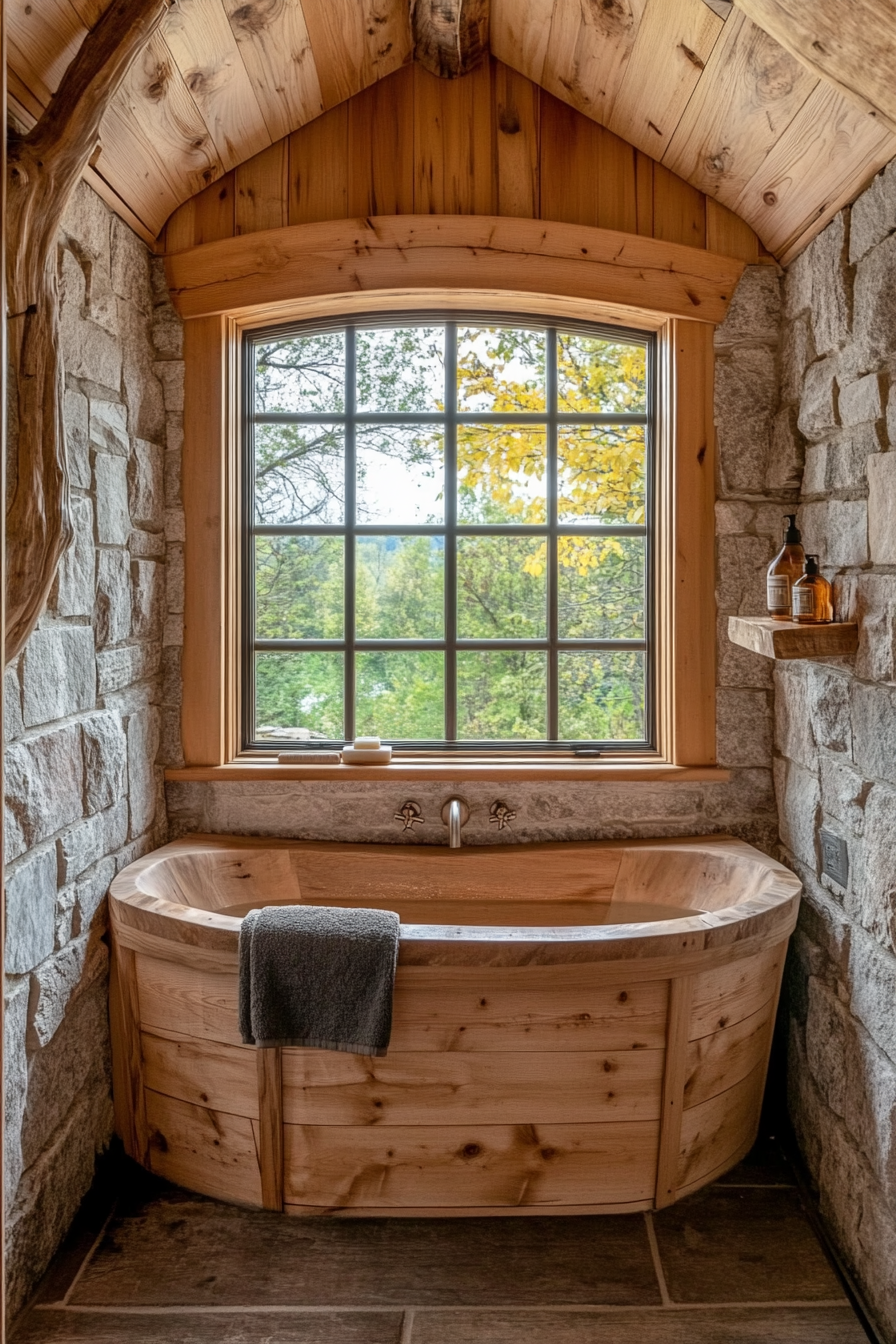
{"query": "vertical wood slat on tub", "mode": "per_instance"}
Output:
(127, 1059)
(680, 997)
(270, 1126)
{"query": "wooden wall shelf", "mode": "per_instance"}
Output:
(789, 639)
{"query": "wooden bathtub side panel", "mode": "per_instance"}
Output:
(203, 1073)
(715, 1063)
(331, 1088)
(442, 1008)
(730, 993)
(212, 1152)
(472, 1166)
(721, 1130)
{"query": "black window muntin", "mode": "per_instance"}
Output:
(449, 529)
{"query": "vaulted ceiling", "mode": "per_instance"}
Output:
(695, 84)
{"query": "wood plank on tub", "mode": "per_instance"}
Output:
(717, 1130)
(196, 1002)
(731, 993)
(323, 1087)
(209, 1151)
(717, 1062)
(470, 1166)
(497, 1009)
(204, 1073)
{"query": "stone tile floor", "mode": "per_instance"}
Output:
(737, 1263)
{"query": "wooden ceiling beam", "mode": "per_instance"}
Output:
(43, 168)
(852, 45)
(450, 36)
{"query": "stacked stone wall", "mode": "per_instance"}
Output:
(87, 705)
(835, 734)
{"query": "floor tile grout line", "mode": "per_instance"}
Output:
(560, 1308)
(94, 1247)
(407, 1326)
(657, 1262)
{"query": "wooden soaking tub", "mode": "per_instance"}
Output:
(546, 1056)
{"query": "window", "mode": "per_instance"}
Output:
(450, 534)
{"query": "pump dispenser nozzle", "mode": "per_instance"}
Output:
(791, 533)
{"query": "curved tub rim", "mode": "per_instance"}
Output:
(180, 923)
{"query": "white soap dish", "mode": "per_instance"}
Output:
(352, 755)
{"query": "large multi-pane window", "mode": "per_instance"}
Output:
(448, 535)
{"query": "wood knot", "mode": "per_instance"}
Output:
(508, 120)
(253, 18)
(770, 198)
(623, 997)
(471, 1150)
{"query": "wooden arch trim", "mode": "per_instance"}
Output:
(434, 252)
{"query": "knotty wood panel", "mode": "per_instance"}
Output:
(276, 51)
(717, 1062)
(331, 1088)
(725, 1125)
(204, 1073)
(462, 1166)
(212, 1152)
(492, 142)
(440, 1009)
(732, 993)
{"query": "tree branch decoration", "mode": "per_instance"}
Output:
(450, 36)
(43, 168)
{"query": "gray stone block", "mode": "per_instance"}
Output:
(175, 526)
(90, 840)
(797, 353)
(13, 724)
(787, 453)
(844, 793)
(740, 583)
(745, 401)
(881, 470)
(743, 727)
(172, 475)
(799, 810)
(73, 593)
(105, 760)
(90, 894)
(872, 987)
(109, 427)
(77, 437)
(30, 911)
(831, 287)
(86, 220)
(877, 890)
(174, 579)
(167, 332)
(836, 530)
(113, 524)
(828, 694)
(875, 305)
(148, 587)
(146, 488)
(143, 391)
(860, 401)
(170, 374)
(147, 545)
(74, 1057)
(794, 736)
(873, 714)
(130, 266)
(112, 612)
(876, 617)
(15, 1080)
(754, 313)
(847, 458)
(737, 666)
(58, 673)
(117, 668)
(89, 351)
(797, 290)
(53, 983)
(873, 216)
(44, 785)
(818, 408)
(815, 470)
(143, 732)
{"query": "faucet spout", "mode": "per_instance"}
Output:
(454, 814)
(454, 824)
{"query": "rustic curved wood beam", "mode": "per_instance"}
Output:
(43, 168)
(450, 36)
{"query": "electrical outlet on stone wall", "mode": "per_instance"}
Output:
(834, 857)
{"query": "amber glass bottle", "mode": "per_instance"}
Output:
(812, 603)
(784, 571)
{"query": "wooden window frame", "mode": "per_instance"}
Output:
(685, 539)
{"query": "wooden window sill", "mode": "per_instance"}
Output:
(472, 768)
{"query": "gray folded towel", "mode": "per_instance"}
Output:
(318, 976)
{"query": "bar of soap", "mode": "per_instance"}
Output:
(309, 758)
(355, 755)
(367, 743)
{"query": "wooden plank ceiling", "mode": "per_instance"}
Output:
(715, 99)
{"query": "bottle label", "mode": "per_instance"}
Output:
(804, 601)
(779, 594)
